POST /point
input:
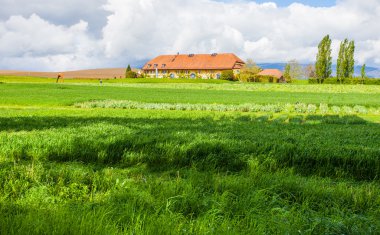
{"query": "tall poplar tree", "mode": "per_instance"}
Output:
(323, 63)
(346, 62)
(350, 59)
(363, 73)
(341, 62)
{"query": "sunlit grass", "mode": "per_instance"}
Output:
(167, 160)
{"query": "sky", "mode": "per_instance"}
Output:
(63, 35)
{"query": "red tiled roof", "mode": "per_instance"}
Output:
(271, 72)
(195, 62)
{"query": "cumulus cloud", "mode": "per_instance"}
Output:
(59, 12)
(29, 42)
(134, 31)
(265, 32)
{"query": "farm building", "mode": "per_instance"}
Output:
(275, 73)
(193, 65)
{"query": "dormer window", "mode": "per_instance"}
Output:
(155, 65)
(163, 65)
(149, 65)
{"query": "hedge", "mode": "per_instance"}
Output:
(353, 81)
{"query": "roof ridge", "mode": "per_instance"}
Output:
(194, 62)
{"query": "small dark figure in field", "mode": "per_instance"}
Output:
(100, 81)
(60, 75)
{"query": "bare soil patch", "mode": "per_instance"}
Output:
(108, 73)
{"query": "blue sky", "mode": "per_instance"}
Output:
(317, 3)
(284, 3)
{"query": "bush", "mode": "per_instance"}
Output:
(227, 75)
(331, 81)
(372, 81)
(352, 81)
(130, 74)
(313, 81)
(264, 79)
(246, 77)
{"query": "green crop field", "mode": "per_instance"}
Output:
(177, 157)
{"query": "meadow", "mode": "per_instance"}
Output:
(188, 158)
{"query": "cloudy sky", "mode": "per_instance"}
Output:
(69, 34)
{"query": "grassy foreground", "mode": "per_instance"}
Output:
(75, 170)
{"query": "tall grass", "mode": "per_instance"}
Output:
(188, 161)
(48, 95)
(142, 171)
(270, 108)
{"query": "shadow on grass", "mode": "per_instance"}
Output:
(307, 145)
(41, 123)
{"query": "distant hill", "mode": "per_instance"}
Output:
(372, 72)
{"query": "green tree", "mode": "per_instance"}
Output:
(249, 71)
(287, 76)
(350, 59)
(323, 63)
(341, 62)
(129, 73)
(227, 75)
(346, 62)
(363, 74)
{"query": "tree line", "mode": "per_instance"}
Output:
(345, 63)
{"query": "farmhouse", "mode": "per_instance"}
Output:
(207, 66)
(275, 73)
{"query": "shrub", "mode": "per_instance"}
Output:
(130, 74)
(246, 77)
(313, 81)
(372, 81)
(352, 81)
(331, 81)
(227, 75)
(266, 79)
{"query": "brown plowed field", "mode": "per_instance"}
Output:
(91, 73)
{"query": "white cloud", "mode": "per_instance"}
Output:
(138, 30)
(59, 12)
(265, 32)
(27, 42)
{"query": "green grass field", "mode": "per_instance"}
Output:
(188, 158)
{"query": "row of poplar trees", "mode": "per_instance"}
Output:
(345, 62)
